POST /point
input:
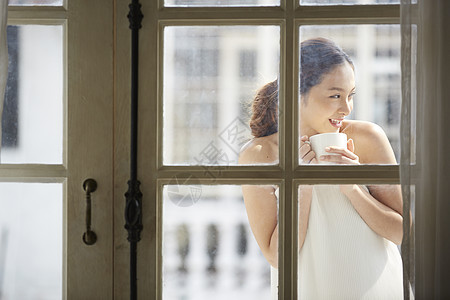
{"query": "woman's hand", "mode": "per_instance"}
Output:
(346, 156)
(306, 154)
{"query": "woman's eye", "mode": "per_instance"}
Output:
(335, 96)
(351, 95)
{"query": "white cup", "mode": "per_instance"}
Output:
(320, 141)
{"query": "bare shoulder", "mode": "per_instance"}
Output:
(263, 150)
(362, 129)
(371, 143)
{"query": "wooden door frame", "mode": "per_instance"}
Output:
(89, 112)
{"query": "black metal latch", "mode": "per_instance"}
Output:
(89, 186)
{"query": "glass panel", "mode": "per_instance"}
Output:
(32, 125)
(36, 2)
(347, 2)
(346, 249)
(223, 3)
(414, 84)
(326, 91)
(211, 74)
(410, 248)
(31, 241)
(209, 251)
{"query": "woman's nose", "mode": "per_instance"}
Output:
(346, 106)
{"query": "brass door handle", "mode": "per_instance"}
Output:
(89, 186)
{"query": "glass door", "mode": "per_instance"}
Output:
(202, 67)
(57, 132)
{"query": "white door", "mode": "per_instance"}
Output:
(58, 131)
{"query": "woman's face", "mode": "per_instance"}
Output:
(328, 103)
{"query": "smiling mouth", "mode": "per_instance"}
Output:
(336, 122)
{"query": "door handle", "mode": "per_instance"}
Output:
(89, 186)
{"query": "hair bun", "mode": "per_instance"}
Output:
(264, 120)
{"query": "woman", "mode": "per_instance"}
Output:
(347, 234)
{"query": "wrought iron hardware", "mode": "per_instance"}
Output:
(89, 186)
(133, 207)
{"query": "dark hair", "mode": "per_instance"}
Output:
(317, 57)
(264, 120)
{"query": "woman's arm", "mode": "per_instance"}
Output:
(261, 203)
(260, 200)
(382, 208)
(382, 219)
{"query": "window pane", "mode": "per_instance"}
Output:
(347, 2)
(211, 74)
(345, 253)
(209, 251)
(32, 124)
(35, 2)
(375, 53)
(224, 3)
(410, 252)
(31, 241)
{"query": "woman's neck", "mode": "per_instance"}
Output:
(308, 131)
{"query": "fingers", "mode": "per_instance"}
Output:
(304, 149)
(342, 151)
(307, 155)
(339, 159)
(345, 156)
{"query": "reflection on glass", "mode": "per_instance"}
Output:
(349, 237)
(31, 241)
(209, 251)
(211, 74)
(347, 2)
(350, 75)
(35, 2)
(32, 123)
(226, 3)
